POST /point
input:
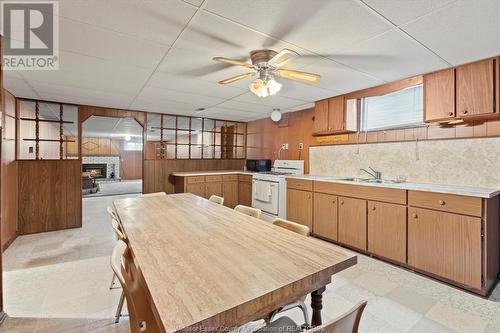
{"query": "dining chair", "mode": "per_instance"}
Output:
(216, 199)
(255, 212)
(141, 316)
(292, 226)
(153, 194)
(116, 264)
(301, 230)
(345, 323)
(111, 212)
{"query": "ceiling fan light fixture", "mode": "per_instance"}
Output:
(266, 88)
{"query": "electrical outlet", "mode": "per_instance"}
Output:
(301, 145)
(286, 145)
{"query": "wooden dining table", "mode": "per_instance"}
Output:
(207, 266)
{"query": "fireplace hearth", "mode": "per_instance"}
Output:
(96, 170)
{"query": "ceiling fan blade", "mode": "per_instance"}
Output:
(233, 62)
(299, 76)
(282, 57)
(237, 77)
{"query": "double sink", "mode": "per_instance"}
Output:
(368, 180)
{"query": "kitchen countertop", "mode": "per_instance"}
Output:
(211, 173)
(438, 188)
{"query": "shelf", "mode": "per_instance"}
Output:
(48, 120)
(49, 140)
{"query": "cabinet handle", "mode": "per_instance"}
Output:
(450, 113)
(414, 215)
(441, 202)
(333, 201)
(342, 202)
(465, 111)
(374, 208)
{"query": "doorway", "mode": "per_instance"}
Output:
(112, 155)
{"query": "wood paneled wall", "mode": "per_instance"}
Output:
(265, 137)
(49, 195)
(9, 172)
(157, 176)
(131, 164)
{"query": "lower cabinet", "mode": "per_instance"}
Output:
(325, 215)
(213, 188)
(196, 188)
(299, 207)
(352, 222)
(230, 193)
(245, 192)
(387, 230)
(445, 244)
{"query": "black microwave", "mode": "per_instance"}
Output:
(258, 165)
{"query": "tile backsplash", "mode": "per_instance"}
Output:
(472, 162)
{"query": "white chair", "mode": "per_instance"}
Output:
(255, 212)
(301, 230)
(116, 264)
(153, 194)
(141, 316)
(346, 323)
(217, 199)
(112, 213)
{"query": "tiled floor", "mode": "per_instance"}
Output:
(58, 282)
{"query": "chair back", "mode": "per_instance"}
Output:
(217, 199)
(112, 213)
(292, 226)
(255, 212)
(141, 316)
(118, 230)
(346, 323)
(156, 194)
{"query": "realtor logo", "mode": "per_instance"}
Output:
(31, 35)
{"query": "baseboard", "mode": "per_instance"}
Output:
(3, 315)
(9, 242)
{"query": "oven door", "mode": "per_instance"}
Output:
(267, 203)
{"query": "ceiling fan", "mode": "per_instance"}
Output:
(268, 64)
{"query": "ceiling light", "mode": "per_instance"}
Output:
(127, 138)
(265, 88)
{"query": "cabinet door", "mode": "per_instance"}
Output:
(445, 244)
(299, 207)
(336, 114)
(439, 95)
(245, 193)
(325, 215)
(196, 188)
(230, 193)
(387, 230)
(352, 222)
(475, 88)
(321, 116)
(213, 188)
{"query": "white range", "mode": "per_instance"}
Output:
(269, 188)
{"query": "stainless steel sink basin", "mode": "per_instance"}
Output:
(367, 180)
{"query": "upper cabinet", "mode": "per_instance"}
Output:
(475, 88)
(467, 91)
(335, 115)
(439, 95)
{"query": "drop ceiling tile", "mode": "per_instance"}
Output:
(161, 105)
(242, 106)
(303, 91)
(194, 2)
(276, 101)
(466, 31)
(300, 107)
(319, 26)
(92, 73)
(17, 86)
(157, 21)
(390, 56)
(403, 11)
(66, 94)
(230, 114)
(339, 78)
(89, 40)
(175, 96)
(186, 84)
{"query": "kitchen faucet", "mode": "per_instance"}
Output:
(376, 174)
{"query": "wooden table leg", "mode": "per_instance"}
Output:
(317, 305)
